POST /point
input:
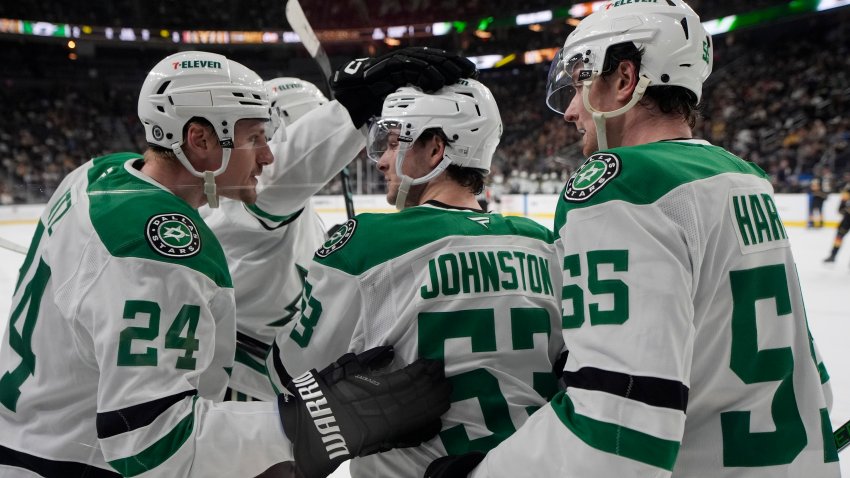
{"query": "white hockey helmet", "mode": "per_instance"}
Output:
(676, 51)
(292, 98)
(196, 84)
(465, 112)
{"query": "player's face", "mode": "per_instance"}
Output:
(600, 98)
(250, 153)
(414, 166)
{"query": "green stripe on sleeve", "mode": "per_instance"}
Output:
(616, 439)
(156, 454)
(247, 360)
(830, 449)
(824, 375)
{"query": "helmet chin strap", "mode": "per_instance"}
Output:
(599, 117)
(407, 181)
(210, 190)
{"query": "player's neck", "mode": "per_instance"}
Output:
(175, 178)
(641, 126)
(448, 192)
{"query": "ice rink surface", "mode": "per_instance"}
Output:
(826, 291)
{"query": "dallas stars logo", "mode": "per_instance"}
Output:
(339, 239)
(596, 172)
(173, 235)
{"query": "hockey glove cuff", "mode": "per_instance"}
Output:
(350, 409)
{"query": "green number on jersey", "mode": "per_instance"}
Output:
(21, 343)
(740, 446)
(132, 308)
(618, 289)
(187, 318)
(480, 327)
(311, 310)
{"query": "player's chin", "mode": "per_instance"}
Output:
(249, 196)
(248, 193)
(589, 147)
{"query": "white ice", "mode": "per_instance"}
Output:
(825, 286)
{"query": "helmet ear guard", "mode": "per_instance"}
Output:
(204, 85)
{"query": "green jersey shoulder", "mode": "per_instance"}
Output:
(372, 239)
(135, 218)
(643, 174)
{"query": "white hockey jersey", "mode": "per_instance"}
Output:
(690, 354)
(476, 290)
(270, 245)
(120, 340)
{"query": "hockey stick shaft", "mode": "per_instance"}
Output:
(6, 244)
(842, 436)
(298, 21)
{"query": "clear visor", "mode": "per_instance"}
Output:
(385, 135)
(569, 68)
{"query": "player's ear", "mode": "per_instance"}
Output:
(437, 148)
(627, 80)
(200, 145)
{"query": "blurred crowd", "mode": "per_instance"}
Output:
(778, 98)
(269, 14)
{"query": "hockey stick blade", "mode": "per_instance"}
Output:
(298, 21)
(842, 436)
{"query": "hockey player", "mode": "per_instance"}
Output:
(843, 226)
(689, 349)
(439, 279)
(268, 253)
(122, 328)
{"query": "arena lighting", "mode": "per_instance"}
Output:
(441, 28)
(504, 61)
(830, 4)
(539, 56)
(397, 32)
(364, 35)
(766, 15)
(484, 62)
(485, 23)
(536, 17)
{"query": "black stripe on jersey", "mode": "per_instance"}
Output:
(658, 392)
(252, 346)
(132, 418)
(282, 374)
(285, 222)
(51, 468)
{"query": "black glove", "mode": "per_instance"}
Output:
(362, 84)
(454, 466)
(348, 409)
